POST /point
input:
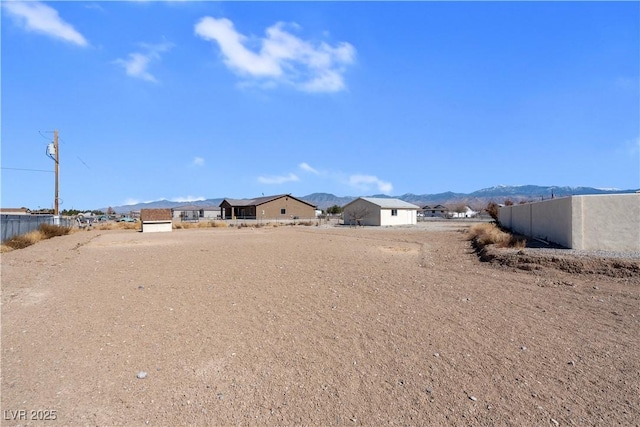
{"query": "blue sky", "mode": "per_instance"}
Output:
(192, 100)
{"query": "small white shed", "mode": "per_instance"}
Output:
(380, 211)
(156, 220)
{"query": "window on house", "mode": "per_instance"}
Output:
(283, 211)
(394, 212)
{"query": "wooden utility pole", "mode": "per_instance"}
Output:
(56, 211)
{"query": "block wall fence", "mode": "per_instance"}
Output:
(594, 222)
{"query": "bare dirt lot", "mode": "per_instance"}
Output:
(312, 326)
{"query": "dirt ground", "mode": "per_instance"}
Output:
(312, 326)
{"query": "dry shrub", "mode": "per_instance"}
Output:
(188, 225)
(115, 226)
(4, 249)
(490, 234)
(44, 231)
(107, 226)
(50, 231)
(25, 240)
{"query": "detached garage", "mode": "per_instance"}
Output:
(380, 211)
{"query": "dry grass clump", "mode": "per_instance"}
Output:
(44, 232)
(116, 226)
(490, 234)
(50, 231)
(107, 226)
(199, 224)
(203, 224)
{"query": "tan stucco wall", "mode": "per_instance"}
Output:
(595, 222)
(292, 208)
(372, 216)
(609, 222)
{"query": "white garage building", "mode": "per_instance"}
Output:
(380, 211)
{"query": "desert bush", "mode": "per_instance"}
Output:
(44, 231)
(48, 231)
(492, 210)
(490, 234)
(130, 225)
(25, 240)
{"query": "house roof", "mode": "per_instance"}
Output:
(436, 207)
(260, 200)
(386, 203)
(14, 210)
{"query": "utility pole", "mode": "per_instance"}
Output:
(56, 206)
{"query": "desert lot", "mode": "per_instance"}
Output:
(310, 326)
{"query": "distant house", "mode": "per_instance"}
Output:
(467, 213)
(195, 213)
(282, 206)
(434, 211)
(380, 212)
(14, 211)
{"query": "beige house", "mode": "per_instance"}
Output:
(380, 211)
(279, 207)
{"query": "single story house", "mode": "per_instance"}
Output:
(279, 207)
(380, 211)
(434, 211)
(14, 211)
(466, 213)
(195, 213)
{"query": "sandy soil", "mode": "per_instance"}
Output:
(311, 326)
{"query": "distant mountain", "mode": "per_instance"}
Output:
(477, 199)
(163, 204)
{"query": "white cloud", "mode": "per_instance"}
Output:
(137, 63)
(365, 182)
(41, 18)
(198, 161)
(307, 168)
(278, 179)
(282, 57)
(130, 201)
(187, 199)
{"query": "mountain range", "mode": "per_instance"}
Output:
(477, 199)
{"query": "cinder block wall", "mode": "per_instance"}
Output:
(609, 222)
(595, 222)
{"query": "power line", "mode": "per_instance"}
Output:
(29, 170)
(48, 139)
(83, 162)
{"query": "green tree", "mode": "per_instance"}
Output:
(334, 210)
